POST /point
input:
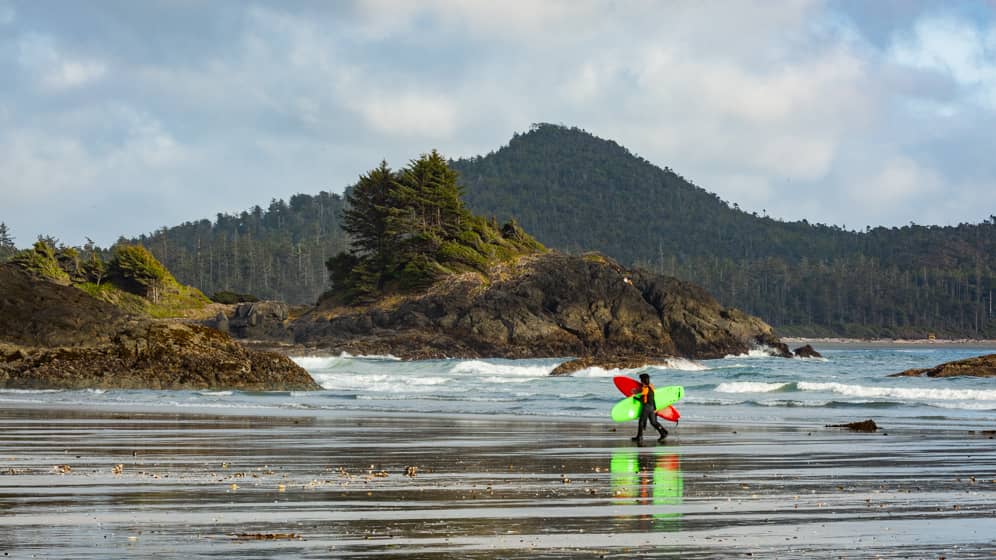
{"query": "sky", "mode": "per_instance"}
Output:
(120, 117)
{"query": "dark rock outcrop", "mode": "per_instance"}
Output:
(806, 351)
(579, 364)
(263, 320)
(54, 336)
(36, 312)
(543, 305)
(980, 366)
(863, 426)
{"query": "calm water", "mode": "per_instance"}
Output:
(849, 383)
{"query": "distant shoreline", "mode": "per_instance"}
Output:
(883, 342)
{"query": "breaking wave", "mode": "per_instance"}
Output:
(753, 387)
(903, 393)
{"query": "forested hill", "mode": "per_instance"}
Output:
(575, 192)
(276, 253)
(581, 192)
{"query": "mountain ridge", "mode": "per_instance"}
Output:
(576, 192)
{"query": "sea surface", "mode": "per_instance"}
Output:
(851, 382)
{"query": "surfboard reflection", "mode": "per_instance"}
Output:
(650, 479)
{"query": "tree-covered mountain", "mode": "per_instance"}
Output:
(576, 192)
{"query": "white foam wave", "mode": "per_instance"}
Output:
(503, 379)
(480, 367)
(601, 372)
(312, 363)
(967, 406)
(749, 387)
(216, 393)
(683, 365)
(383, 357)
(758, 352)
(904, 393)
(29, 391)
(377, 382)
(96, 391)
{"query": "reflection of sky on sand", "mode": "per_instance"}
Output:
(652, 478)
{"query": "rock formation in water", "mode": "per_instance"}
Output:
(980, 366)
(55, 336)
(543, 305)
(863, 426)
(806, 351)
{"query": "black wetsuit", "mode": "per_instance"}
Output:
(649, 412)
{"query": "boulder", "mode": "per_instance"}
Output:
(806, 351)
(603, 362)
(266, 320)
(980, 366)
(863, 426)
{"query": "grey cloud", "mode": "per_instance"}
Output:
(176, 111)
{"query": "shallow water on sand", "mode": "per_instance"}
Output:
(335, 485)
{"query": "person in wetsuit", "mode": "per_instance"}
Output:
(649, 411)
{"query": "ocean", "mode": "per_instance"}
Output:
(851, 382)
(488, 459)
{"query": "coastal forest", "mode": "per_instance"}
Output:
(575, 193)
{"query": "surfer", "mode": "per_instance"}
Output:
(649, 410)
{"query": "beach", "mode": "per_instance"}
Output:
(89, 482)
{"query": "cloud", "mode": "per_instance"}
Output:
(953, 47)
(54, 69)
(55, 171)
(896, 182)
(799, 108)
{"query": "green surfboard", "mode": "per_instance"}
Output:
(627, 409)
(666, 396)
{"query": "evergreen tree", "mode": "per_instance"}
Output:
(410, 228)
(365, 219)
(7, 247)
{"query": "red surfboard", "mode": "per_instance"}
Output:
(629, 387)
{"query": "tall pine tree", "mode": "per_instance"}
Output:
(7, 247)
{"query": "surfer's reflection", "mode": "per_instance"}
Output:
(650, 479)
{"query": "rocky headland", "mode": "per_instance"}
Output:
(542, 305)
(980, 366)
(56, 336)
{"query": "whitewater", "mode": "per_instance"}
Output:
(850, 383)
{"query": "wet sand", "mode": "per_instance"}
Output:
(478, 487)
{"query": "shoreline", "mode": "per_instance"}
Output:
(892, 342)
(304, 351)
(101, 483)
